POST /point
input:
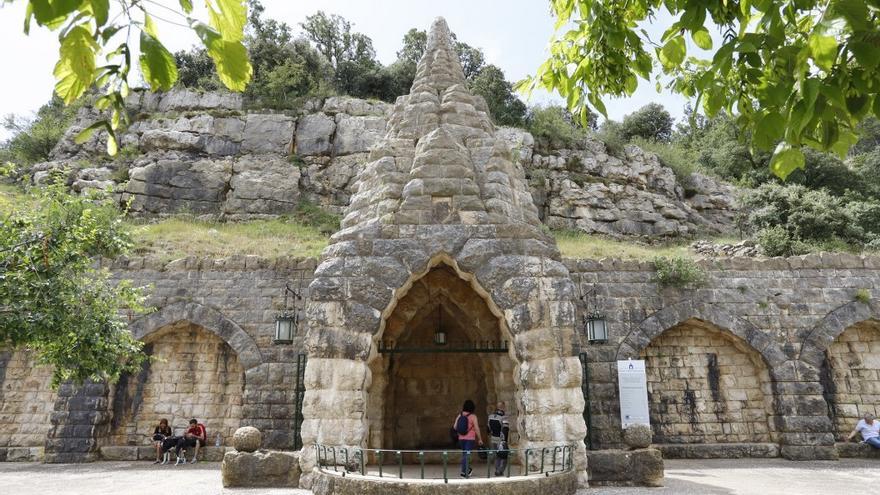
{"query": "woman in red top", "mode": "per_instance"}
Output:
(468, 440)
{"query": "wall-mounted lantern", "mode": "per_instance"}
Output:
(287, 320)
(439, 334)
(595, 323)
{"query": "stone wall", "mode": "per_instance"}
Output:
(26, 400)
(854, 369)
(782, 314)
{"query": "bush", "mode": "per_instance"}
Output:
(552, 129)
(612, 137)
(312, 215)
(652, 121)
(809, 218)
(678, 272)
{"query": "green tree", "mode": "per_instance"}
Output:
(88, 37)
(552, 128)
(53, 300)
(505, 107)
(415, 42)
(334, 39)
(32, 140)
(195, 69)
(652, 121)
(792, 72)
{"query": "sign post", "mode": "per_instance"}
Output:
(633, 387)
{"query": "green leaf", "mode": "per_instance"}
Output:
(75, 69)
(230, 58)
(157, 64)
(854, 11)
(702, 38)
(865, 53)
(823, 50)
(150, 26)
(187, 6)
(52, 13)
(112, 146)
(786, 160)
(228, 18)
(86, 133)
(673, 52)
(100, 9)
(597, 102)
(769, 130)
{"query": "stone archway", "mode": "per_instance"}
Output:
(851, 375)
(414, 396)
(707, 386)
(192, 374)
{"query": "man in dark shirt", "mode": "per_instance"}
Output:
(499, 429)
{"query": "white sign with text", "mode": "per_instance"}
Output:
(633, 386)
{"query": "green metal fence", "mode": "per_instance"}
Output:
(355, 461)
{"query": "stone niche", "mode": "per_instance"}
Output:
(26, 400)
(415, 396)
(851, 375)
(707, 386)
(192, 373)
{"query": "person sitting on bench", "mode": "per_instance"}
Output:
(161, 432)
(195, 436)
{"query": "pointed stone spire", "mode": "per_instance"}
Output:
(440, 66)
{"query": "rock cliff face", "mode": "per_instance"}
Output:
(205, 154)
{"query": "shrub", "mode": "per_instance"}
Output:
(313, 215)
(673, 156)
(776, 241)
(552, 129)
(863, 296)
(652, 121)
(678, 272)
(612, 137)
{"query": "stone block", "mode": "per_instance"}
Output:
(860, 449)
(641, 467)
(263, 469)
(637, 436)
(121, 453)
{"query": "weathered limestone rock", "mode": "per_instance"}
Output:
(267, 133)
(641, 467)
(314, 134)
(263, 469)
(637, 436)
(356, 134)
(262, 185)
(247, 439)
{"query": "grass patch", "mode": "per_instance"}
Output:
(574, 244)
(12, 197)
(179, 237)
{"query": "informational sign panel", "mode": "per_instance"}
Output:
(633, 385)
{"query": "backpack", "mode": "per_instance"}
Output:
(462, 425)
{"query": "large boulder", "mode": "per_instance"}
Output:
(247, 439)
(262, 185)
(267, 133)
(263, 469)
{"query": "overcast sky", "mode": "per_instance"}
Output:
(513, 34)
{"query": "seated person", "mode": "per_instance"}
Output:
(195, 437)
(870, 430)
(161, 432)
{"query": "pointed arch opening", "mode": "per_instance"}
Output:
(850, 375)
(414, 396)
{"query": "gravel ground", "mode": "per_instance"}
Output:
(739, 476)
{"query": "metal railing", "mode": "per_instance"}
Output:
(545, 460)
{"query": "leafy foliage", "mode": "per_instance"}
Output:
(86, 34)
(33, 139)
(651, 122)
(504, 106)
(792, 72)
(678, 272)
(553, 128)
(52, 299)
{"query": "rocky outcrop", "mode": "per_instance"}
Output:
(202, 153)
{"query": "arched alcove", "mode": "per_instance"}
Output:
(192, 373)
(851, 375)
(414, 396)
(706, 385)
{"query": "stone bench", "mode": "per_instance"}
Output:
(208, 453)
(21, 454)
(853, 449)
(717, 450)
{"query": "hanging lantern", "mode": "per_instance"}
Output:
(596, 327)
(439, 334)
(285, 328)
(286, 321)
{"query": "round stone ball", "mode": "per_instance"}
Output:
(637, 436)
(247, 439)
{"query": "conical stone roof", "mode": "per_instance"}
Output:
(439, 162)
